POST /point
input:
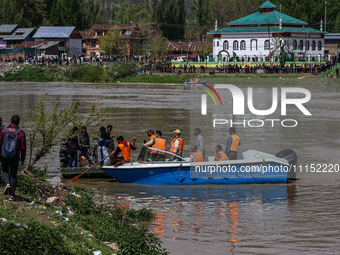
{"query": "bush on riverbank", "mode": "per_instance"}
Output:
(84, 72)
(155, 78)
(72, 224)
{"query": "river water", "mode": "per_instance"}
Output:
(296, 218)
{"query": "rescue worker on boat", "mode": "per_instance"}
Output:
(152, 138)
(124, 150)
(160, 144)
(196, 156)
(233, 143)
(220, 155)
(177, 145)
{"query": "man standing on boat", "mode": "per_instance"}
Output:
(85, 145)
(199, 141)
(111, 146)
(103, 145)
(73, 147)
(196, 156)
(177, 145)
(220, 155)
(233, 143)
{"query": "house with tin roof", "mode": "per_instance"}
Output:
(19, 36)
(268, 35)
(6, 30)
(68, 39)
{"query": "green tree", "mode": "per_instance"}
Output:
(112, 43)
(156, 45)
(28, 13)
(202, 17)
(47, 129)
(312, 12)
(171, 17)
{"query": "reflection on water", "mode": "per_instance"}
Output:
(300, 218)
(239, 219)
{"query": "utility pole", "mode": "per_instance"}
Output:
(270, 57)
(326, 4)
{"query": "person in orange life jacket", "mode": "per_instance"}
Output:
(233, 143)
(220, 155)
(10, 165)
(177, 144)
(160, 143)
(152, 138)
(123, 149)
(196, 156)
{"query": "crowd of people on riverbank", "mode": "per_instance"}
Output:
(150, 65)
(234, 68)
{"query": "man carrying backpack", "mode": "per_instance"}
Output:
(13, 151)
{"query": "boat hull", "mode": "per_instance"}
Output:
(185, 174)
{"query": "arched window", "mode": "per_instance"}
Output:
(235, 45)
(313, 45)
(266, 44)
(307, 45)
(225, 45)
(319, 45)
(301, 45)
(253, 44)
(243, 45)
(294, 45)
(218, 44)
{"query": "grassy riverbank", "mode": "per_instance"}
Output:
(56, 220)
(70, 73)
(117, 72)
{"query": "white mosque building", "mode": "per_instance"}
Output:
(267, 35)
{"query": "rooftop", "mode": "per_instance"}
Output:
(334, 36)
(272, 17)
(268, 4)
(7, 29)
(232, 30)
(128, 30)
(54, 32)
(19, 35)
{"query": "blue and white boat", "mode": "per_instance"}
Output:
(158, 167)
(193, 84)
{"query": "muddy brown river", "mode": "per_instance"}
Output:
(297, 218)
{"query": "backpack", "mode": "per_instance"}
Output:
(10, 143)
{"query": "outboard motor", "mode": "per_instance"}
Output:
(291, 157)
